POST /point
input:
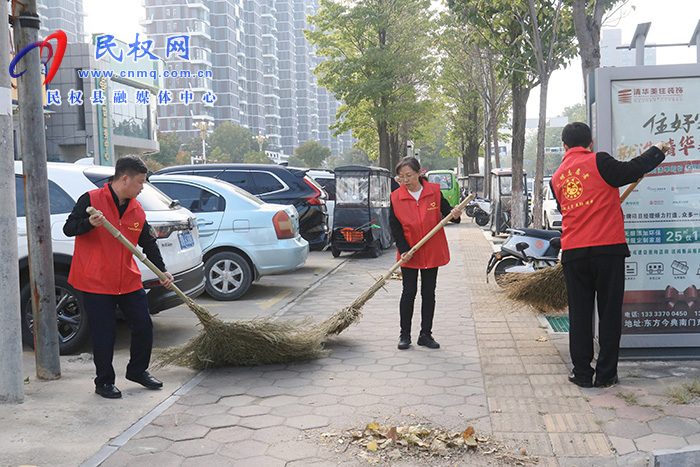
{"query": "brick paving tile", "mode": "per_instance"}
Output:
(675, 426)
(656, 441)
(580, 444)
(641, 414)
(627, 429)
(622, 445)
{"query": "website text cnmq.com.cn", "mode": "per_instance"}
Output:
(176, 47)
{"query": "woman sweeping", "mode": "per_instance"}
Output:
(416, 207)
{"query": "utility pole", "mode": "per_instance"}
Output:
(11, 375)
(36, 193)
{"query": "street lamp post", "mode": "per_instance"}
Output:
(203, 127)
(260, 139)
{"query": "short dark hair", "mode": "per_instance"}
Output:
(577, 134)
(129, 166)
(408, 161)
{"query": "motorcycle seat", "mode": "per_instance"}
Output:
(544, 234)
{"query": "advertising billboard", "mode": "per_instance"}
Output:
(637, 107)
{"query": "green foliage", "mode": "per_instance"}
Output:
(312, 153)
(256, 157)
(169, 147)
(576, 113)
(436, 155)
(378, 64)
(230, 143)
(294, 161)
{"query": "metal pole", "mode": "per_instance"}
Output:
(36, 194)
(204, 149)
(11, 375)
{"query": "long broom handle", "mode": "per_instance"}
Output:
(118, 235)
(629, 190)
(663, 147)
(427, 237)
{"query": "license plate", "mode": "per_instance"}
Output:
(186, 240)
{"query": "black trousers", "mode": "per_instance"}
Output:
(408, 298)
(601, 277)
(101, 312)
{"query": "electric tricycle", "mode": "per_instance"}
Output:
(362, 207)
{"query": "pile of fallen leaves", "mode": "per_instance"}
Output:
(391, 443)
(397, 441)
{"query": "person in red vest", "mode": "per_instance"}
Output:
(416, 207)
(106, 273)
(586, 186)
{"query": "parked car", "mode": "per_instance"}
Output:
(174, 227)
(242, 237)
(274, 184)
(326, 178)
(550, 213)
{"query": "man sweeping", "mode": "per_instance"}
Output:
(107, 275)
(594, 247)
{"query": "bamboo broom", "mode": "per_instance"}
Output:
(545, 289)
(219, 343)
(260, 341)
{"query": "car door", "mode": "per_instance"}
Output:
(207, 205)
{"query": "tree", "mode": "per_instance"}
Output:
(588, 18)
(169, 146)
(256, 157)
(534, 38)
(312, 153)
(378, 64)
(229, 143)
(495, 25)
(461, 99)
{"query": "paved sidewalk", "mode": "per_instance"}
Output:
(499, 370)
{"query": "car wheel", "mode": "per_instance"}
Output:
(228, 276)
(335, 252)
(546, 223)
(73, 328)
(375, 250)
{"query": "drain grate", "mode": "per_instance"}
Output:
(559, 323)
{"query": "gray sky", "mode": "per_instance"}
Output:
(673, 21)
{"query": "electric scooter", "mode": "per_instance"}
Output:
(526, 250)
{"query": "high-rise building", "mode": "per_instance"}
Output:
(611, 55)
(66, 15)
(261, 68)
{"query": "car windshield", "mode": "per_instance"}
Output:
(444, 180)
(352, 190)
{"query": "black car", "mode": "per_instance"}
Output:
(274, 184)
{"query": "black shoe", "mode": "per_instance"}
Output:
(146, 380)
(404, 342)
(108, 391)
(579, 381)
(608, 384)
(427, 340)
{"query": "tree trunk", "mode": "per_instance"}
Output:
(539, 164)
(384, 145)
(520, 94)
(588, 36)
(494, 135)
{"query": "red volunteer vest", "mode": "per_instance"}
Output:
(590, 208)
(101, 264)
(417, 219)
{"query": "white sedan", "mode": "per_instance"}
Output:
(242, 237)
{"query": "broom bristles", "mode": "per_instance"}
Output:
(543, 289)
